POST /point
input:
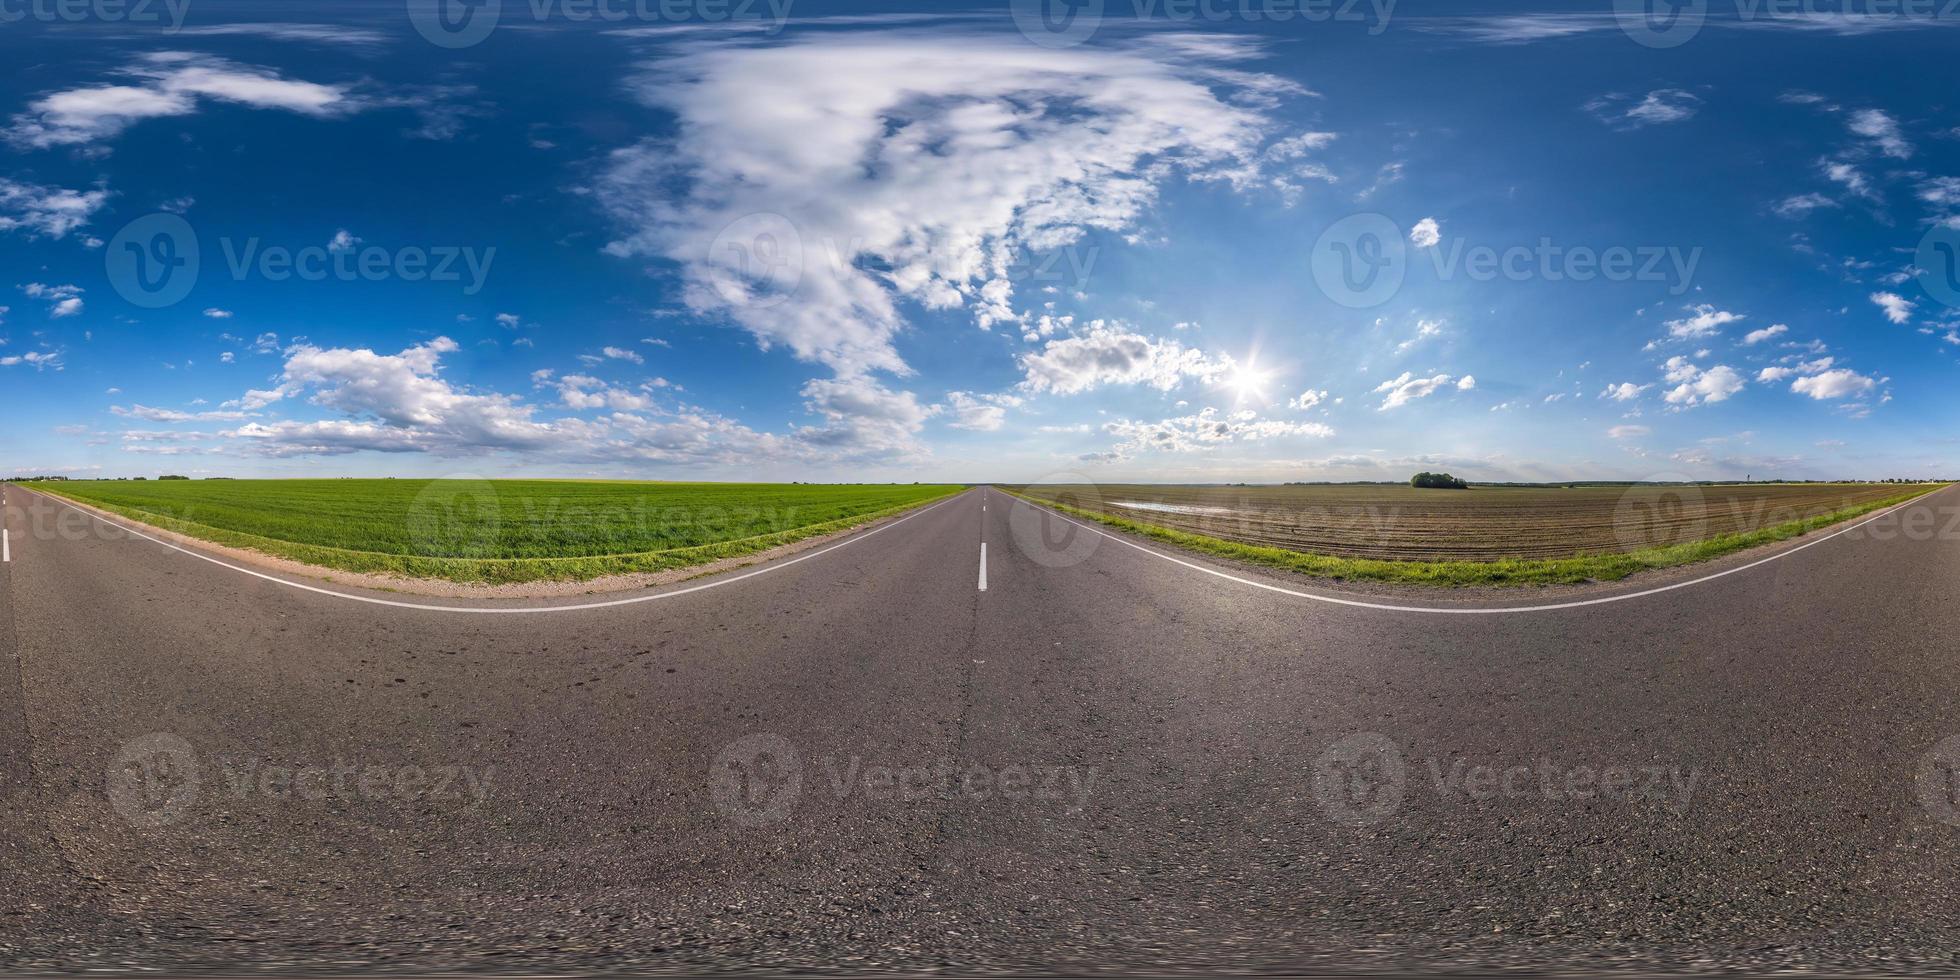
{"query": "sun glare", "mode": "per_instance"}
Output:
(1248, 383)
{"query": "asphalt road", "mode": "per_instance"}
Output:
(864, 762)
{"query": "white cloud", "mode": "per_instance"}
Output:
(164, 84)
(1466, 383)
(980, 413)
(1695, 386)
(400, 403)
(216, 313)
(582, 392)
(1942, 192)
(1838, 384)
(63, 301)
(49, 211)
(38, 360)
(1425, 329)
(316, 33)
(1706, 321)
(1109, 354)
(1882, 130)
(149, 414)
(863, 417)
(1754, 337)
(1897, 308)
(1426, 233)
(1665, 105)
(1628, 431)
(622, 354)
(1401, 390)
(342, 241)
(913, 166)
(1849, 176)
(507, 319)
(1799, 205)
(1625, 391)
(1308, 399)
(1204, 430)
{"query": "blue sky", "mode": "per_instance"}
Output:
(943, 242)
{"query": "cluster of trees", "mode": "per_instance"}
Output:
(1437, 481)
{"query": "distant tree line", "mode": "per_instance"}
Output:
(1437, 481)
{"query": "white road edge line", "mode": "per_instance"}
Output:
(514, 610)
(1484, 611)
(983, 566)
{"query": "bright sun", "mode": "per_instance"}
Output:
(1248, 382)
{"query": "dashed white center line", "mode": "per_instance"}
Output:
(983, 566)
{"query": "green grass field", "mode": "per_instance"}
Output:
(497, 531)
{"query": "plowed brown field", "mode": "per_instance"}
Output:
(1479, 524)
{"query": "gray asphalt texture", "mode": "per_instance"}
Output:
(860, 762)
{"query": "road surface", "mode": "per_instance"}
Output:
(891, 756)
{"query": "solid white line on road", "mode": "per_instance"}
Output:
(513, 610)
(983, 566)
(1474, 611)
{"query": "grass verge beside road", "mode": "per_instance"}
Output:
(497, 532)
(1575, 570)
